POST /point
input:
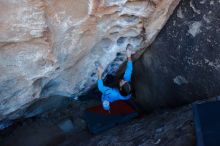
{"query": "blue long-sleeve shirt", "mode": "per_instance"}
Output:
(128, 71)
(112, 94)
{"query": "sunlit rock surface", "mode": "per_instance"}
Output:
(49, 47)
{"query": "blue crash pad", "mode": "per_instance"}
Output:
(207, 123)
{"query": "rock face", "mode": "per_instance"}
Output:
(183, 63)
(49, 47)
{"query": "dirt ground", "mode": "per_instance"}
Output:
(165, 127)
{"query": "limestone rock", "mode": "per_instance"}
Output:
(49, 47)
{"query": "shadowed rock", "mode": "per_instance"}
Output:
(183, 63)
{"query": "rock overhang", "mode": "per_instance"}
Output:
(50, 47)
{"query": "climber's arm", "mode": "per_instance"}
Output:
(129, 67)
(102, 88)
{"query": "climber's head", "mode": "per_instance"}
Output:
(124, 88)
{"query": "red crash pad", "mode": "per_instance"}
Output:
(99, 120)
(117, 108)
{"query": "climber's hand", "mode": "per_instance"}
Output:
(128, 53)
(100, 71)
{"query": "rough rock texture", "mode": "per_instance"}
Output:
(165, 128)
(49, 47)
(183, 63)
(170, 127)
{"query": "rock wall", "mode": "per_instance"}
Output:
(50, 47)
(183, 63)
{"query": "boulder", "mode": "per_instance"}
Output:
(183, 63)
(49, 47)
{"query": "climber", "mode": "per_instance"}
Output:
(110, 95)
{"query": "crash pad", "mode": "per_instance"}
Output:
(99, 120)
(207, 123)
